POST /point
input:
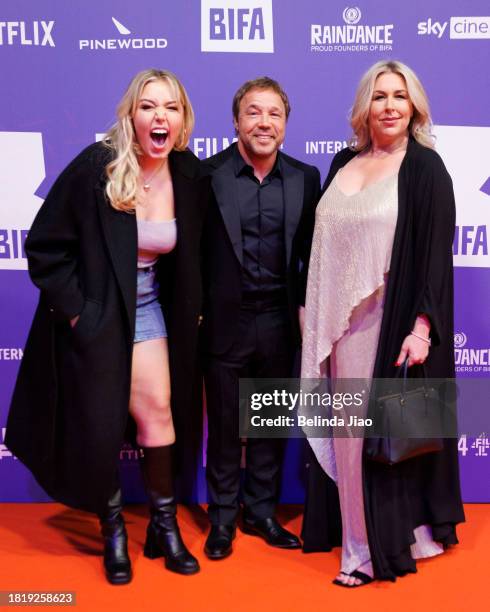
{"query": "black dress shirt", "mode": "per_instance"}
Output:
(261, 208)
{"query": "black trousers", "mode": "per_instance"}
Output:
(264, 349)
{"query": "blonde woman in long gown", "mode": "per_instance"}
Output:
(379, 291)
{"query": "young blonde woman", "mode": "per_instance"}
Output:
(380, 290)
(114, 252)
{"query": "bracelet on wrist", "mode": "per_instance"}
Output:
(428, 340)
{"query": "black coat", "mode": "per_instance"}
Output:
(69, 411)
(222, 246)
(424, 490)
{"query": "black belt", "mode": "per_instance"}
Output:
(265, 301)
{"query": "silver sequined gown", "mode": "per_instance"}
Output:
(349, 264)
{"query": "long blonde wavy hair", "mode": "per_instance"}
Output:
(420, 126)
(123, 171)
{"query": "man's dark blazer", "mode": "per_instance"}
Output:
(222, 246)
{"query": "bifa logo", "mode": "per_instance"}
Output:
(27, 34)
(21, 173)
(470, 240)
(470, 175)
(459, 27)
(240, 26)
(125, 42)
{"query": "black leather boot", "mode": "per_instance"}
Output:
(117, 564)
(163, 537)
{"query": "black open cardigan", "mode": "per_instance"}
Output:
(424, 490)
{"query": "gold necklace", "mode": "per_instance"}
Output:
(147, 183)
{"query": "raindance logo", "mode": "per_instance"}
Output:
(470, 359)
(115, 44)
(351, 37)
(352, 15)
(460, 340)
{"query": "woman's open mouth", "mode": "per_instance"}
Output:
(159, 137)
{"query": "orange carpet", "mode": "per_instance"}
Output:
(47, 547)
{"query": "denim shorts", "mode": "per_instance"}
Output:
(149, 318)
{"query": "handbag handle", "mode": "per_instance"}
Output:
(403, 368)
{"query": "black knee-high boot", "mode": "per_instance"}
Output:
(163, 537)
(117, 564)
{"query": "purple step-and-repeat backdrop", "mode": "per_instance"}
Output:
(65, 65)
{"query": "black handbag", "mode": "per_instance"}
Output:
(411, 422)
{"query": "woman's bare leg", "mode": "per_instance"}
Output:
(149, 402)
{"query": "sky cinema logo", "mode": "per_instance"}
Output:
(351, 36)
(27, 34)
(459, 28)
(126, 41)
(237, 26)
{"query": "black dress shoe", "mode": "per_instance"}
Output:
(218, 544)
(270, 531)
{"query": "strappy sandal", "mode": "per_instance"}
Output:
(364, 578)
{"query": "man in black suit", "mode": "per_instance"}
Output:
(256, 247)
